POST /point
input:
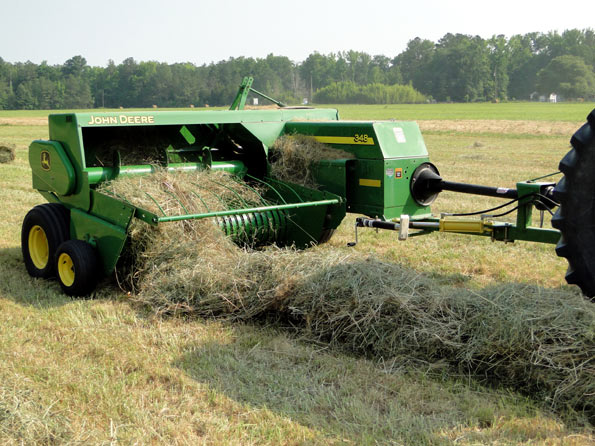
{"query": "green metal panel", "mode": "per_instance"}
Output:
(51, 167)
(366, 139)
(306, 224)
(111, 209)
(64, 128)
(377, 181)
(109, 239)
(152, 118)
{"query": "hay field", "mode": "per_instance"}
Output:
(131, 376)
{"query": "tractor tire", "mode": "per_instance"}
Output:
(575, 218)
(44, 229)
(77, 266)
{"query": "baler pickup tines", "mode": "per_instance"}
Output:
(277, 218)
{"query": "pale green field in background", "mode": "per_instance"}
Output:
(533, 111)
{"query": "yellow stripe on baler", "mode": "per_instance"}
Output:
(370, 183)
(368, 141)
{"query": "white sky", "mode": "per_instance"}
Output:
(210, 31)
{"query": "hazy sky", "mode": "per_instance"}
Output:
(210, 31)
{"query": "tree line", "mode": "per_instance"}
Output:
(458, 67)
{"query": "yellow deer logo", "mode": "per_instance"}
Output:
(45, 160)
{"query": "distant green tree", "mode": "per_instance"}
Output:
(77, 93)
(47, 93)
(461, 69)
(75, 66)
(317, 71)
(414, 64)
(499, 56)
(568, 76)
(4, 95)
(24, 97)
(352, 93)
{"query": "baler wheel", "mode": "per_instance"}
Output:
(77, 266)
(326, 236)
(575, 218)
(45, 227)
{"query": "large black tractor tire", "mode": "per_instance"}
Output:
(575, 218)
(77, 267)
(45, 227)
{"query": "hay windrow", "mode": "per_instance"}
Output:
(538, 341)
(293, 158)
(7, 153)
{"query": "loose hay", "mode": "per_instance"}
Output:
(293, 158)
(538, 341)
(7, 153)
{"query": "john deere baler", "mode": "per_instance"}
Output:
(387, 179)
(82, 231)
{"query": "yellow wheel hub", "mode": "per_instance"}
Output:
(66, 269)
(39, 248)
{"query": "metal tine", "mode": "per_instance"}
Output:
(290, 188)
(201, 200)
(155, 201)
(244, 202)
(175, 197)
(215, 194)
(269, 185)
(243, 183)
(204, 204)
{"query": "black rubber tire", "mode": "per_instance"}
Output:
(54, 219)
(84, 264)
(575, 218)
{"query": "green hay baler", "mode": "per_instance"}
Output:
(81, 233)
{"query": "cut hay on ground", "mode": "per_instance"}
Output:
(538, 341)
(501, 126)
(7, 153)
(293, 158)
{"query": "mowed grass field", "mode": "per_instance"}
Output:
(104, 371)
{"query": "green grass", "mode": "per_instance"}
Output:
(102, 371)
(534, 111)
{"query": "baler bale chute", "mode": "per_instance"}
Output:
(82, 232)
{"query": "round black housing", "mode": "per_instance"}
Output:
(425, 184)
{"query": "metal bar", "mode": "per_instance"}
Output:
(247, 210)
(99, 174)
(223, 203)
(240, 99)
(475, 189)
(393, 226)
(505, 232)
(279, 103)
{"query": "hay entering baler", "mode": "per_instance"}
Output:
(387, 177)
